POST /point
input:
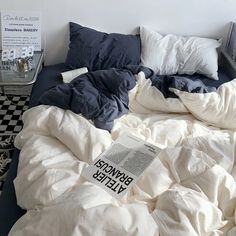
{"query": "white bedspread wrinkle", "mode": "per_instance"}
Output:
(217, 108)
(188, 190)
(152, 99)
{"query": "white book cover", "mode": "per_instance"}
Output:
(120, 166)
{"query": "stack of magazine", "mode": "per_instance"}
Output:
(231, 44)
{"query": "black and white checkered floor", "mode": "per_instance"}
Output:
(11, 110)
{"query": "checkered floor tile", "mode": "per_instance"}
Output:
(11, 109)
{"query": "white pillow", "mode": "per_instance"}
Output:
(172, 54)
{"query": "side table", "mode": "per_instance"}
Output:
(19, 83)
(15, 88)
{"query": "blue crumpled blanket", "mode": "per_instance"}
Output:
(101, 96)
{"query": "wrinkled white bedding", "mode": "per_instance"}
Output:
(189, 189)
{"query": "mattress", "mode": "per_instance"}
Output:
(48, 78)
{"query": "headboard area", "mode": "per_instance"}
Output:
(186, 17)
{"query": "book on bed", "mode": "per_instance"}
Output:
(121, 165)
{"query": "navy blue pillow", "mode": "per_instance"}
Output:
(97, 50)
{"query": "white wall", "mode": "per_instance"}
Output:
(189, 17)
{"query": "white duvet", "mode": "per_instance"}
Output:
(189, 189)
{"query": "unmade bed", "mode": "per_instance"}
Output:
(189, 189)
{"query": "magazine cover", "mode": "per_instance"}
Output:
(120, 166)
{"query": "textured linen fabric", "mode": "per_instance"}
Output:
(187, 190)
(217, 108)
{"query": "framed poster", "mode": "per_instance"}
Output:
(19, 29)
(231, 43)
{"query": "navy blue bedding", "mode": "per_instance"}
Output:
(98, 50)
(48, 79)
(190, 83)
(102, 95)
